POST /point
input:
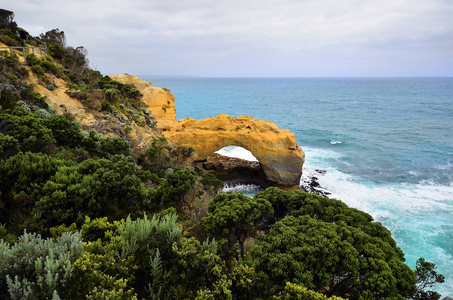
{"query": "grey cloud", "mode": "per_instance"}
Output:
(253, 38)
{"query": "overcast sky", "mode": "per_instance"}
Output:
(259, 38)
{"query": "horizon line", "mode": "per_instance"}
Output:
(284, 77)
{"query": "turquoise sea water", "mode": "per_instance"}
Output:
(386, 143)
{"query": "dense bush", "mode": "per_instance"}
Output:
(12, 75)
(236, 217)
(322, 244)
(36, 268)
(10, 38)
(23, 177)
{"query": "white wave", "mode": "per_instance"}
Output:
(336, 142)
(447, 166)
(246, 189)
(237, 152)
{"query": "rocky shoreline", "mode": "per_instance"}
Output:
(310, 183)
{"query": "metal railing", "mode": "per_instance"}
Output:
(41, 50)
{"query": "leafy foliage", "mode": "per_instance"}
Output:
(94, 187)
(427, 277)
(23, 178)
(236, 217)
(296, 292)
(25, 127)
(169, 265)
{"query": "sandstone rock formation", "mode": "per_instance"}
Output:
(280, 156)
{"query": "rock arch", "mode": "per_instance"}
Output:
(277, 150)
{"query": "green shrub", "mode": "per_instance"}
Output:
(38, 268)
(50, 67)
(34, 61)
(297, 292)
(9, 41)
(318, 254)
(29, 130)
(56, 51)
(106, 105)
(9, 146)
(211, 180)
(173, 188)
(11, 36)
(37, 69)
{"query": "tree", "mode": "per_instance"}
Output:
(427, 277)
(54, 36)
(172, 189)
(6, 18)
(9, 146)
(236, 217)
(333, 258)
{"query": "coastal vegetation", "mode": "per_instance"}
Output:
(84, 216)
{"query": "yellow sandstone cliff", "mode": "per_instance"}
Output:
(276, 149)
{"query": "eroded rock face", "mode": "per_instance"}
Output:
(280, 156)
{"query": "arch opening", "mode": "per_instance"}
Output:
(235, 166)
(237, 152)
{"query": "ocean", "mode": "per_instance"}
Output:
(386, 145)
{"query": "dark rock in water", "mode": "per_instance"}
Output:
(233, 170)
(310, 184)
(447, 298)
